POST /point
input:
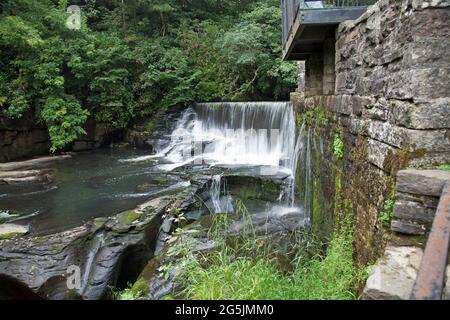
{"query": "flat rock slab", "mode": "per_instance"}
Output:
(10, 230)
(394, 275)
(423, 182)
(32, 163)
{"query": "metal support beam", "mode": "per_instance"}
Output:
(429, 283)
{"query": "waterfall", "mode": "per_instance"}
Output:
(220, 198)
(257, 134)
(98, 242)
(232, 133)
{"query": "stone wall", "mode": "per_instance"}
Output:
(390, 107)
(418, 194)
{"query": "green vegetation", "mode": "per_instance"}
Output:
(338, 147)
(128, 217)
(388, 207)
(132, 58)
(236, 274)
(134, 292)
(9, 235)
(246, 266)
(317, 118)
(445, 167)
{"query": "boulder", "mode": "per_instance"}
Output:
(392, 278)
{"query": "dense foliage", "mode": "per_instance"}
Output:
(132, 58)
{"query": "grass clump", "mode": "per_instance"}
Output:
(445, 167)
(249, 271)
(136, 291)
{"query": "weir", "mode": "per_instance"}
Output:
(234, 133)
(242, 134)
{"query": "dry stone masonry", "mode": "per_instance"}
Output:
(383, 84)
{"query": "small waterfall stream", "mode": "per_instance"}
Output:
(220, 198)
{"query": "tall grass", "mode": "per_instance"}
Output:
(248, 271)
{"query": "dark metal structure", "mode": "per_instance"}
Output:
(307, 23)
(429, 283)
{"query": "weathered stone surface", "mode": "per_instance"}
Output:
(425, 201)
(393, 276)
(409, 228)
(432, 114)
(41, 162)
(408, 210)
(10, 230)
(422, 182)
(108, 251)
(377, 152)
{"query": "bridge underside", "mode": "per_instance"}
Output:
(312, 26)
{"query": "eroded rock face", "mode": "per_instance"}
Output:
(107, 251)
(394, 275)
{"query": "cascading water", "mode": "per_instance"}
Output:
(248, 133)
(257, 134)
(221, 200)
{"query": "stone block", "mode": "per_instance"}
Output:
(426, 201)
(393, 277)
(430, 114)
(408, 228)
(388, 133)
(413, 211)
(377, 152)
(422, 182)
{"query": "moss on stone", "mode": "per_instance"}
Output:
(317, 117)
(9, 235)
(262, 189)
(128, 217)
(400, 159)
(140, 288)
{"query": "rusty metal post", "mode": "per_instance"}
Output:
(429, 283)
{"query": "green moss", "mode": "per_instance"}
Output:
(9, 235)
(128, 217)
(317, 118)
(400, 159)
(140, 287)
(137, 291)
(445, 167)
(40, 240)
(262, 189)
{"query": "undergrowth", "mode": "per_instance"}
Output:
(247, 268)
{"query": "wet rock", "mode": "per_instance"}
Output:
(278, 219)
(394, 275)
(108, 252)
(163, 282)
(10, 230)
(36, 163)
(25, 176)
